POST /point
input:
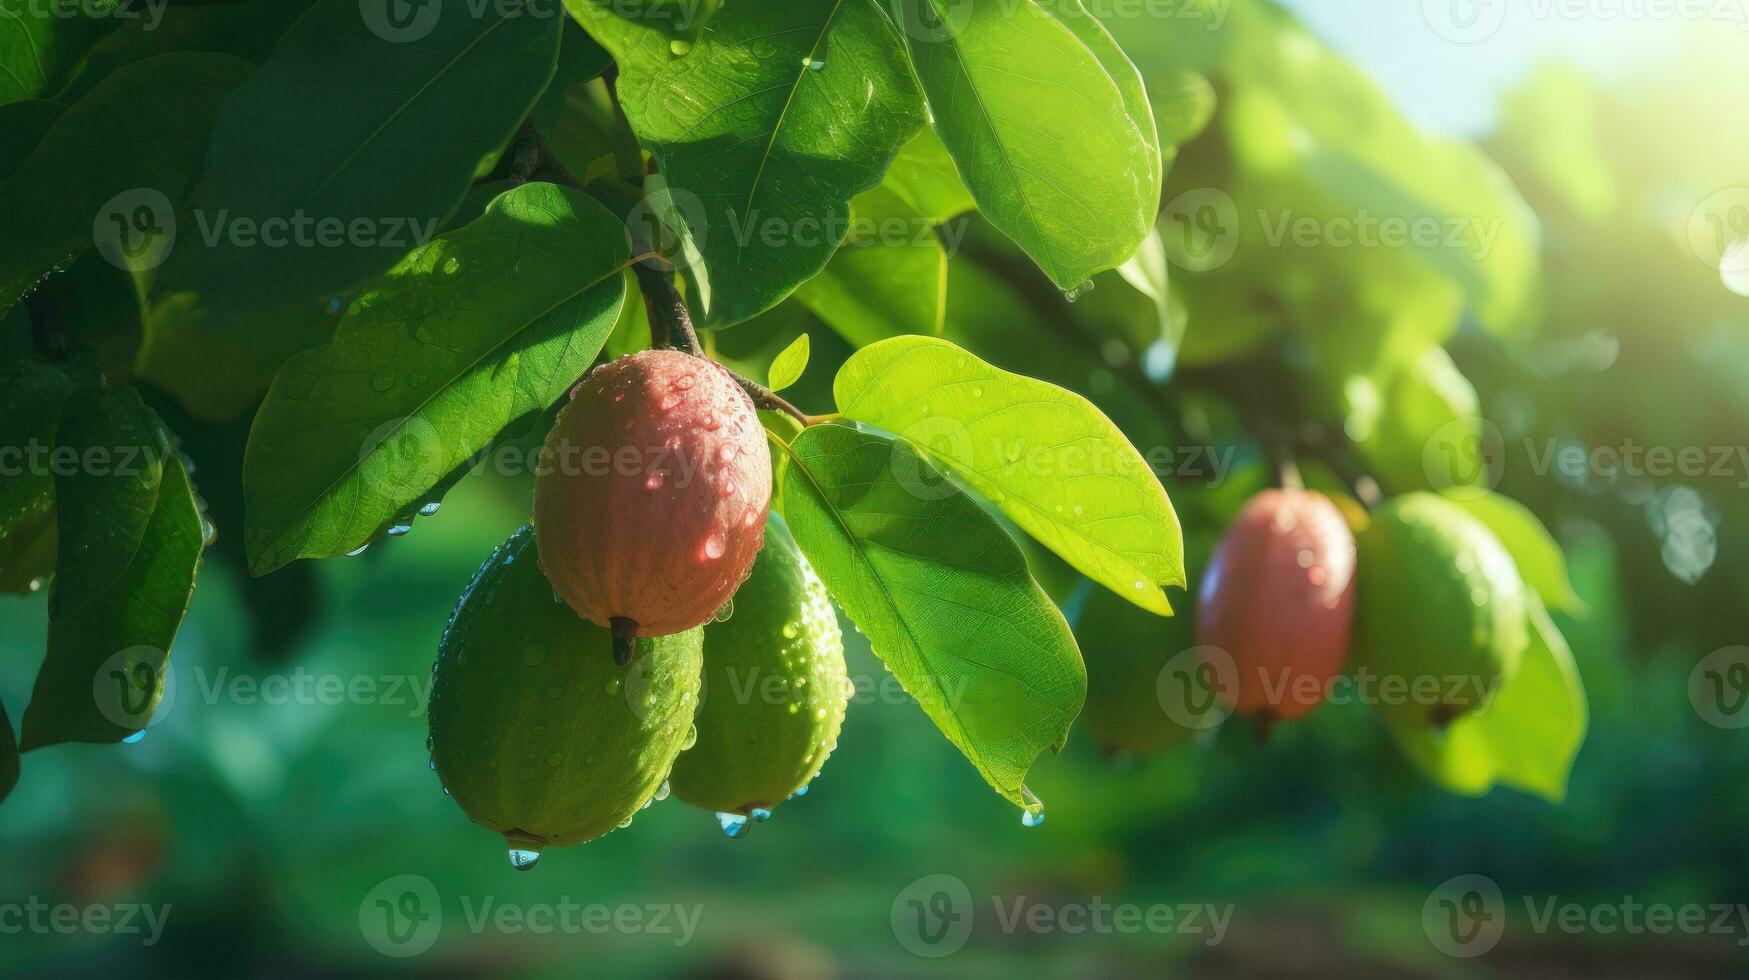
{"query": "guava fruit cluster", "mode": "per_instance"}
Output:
(568, 686)
(1426, 600)
(652, 493)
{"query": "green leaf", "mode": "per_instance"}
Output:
(463, 337)
(787, 367)
(1125, 76)
(248, 31)
(22, 126)
(131, 143)
(32, 394)
(1539, 557)
(1528, 735)
(8, 756)
(889, 278)
(40, 45)
(1046, 140)
(942, 593)
(371, 130)
(218, 372)
(1045, 455)
(131, 541)
(923, 175)
(764, 130)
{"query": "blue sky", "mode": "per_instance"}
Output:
(1453, 86)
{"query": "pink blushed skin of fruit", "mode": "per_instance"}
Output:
(1278, 597)
(651, 501)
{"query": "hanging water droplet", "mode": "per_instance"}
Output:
(399, 530)
(690, 740)
(724, 612)
(759, 815)
(1032, 818)
(522, 859)
(679, 47)
(209, 531)
(354, 553)
(432, 765)
(801, 791)
(733, 824)
(430, 508)
(1079, 291)
(661, 792)
(135, 738)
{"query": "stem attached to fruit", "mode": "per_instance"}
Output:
(625, 639)
(671, 326)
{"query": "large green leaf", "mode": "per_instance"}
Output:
(889, 278)
(131, 540)
(1526, 737)
(353, 143)
(41, 44)
(1048, 142)
(8, 756)
(32, 392)
(22, 126)
(764, 130)
(1539, 557)
(942, 593)
(466, 335)
(112, 168)
(923, 175)
(1045, 455)
(247, 30)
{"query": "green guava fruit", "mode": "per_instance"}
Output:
(1440, 616)
(652, 493)
(534, 731)
(1128, 650)
(775, 688)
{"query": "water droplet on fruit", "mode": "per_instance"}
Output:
(801, 791)
(669, 402)
(724, 612)
(760, 815)
(135, 738)
(522, 859)
(733, 824)
(685, 381)
(727, 489)
(653, 481)
(712, 548)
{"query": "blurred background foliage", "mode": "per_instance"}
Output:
(1584, 319)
